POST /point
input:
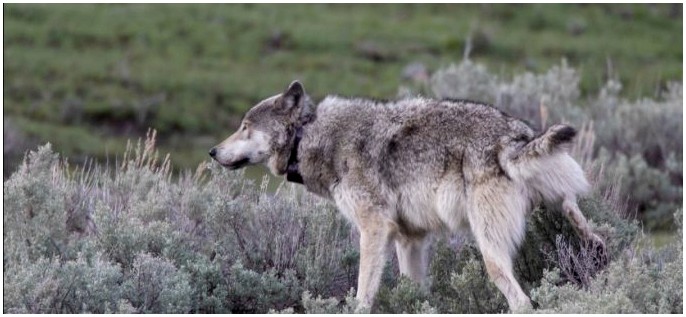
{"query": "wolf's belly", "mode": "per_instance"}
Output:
(422, 206)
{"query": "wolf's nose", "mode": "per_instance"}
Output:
(213, 152)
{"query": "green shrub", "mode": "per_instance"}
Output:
(83, 285)
(650, 190)
(34, 208)
(637, 282)
(175, 244)
(252, 292)
(641, 142)
(331, 305)
(406, 297)
(155, 285)
(527, 96)
(210, 288)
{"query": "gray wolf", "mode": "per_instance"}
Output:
(402, 170)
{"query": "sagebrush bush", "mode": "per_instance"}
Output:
(253, 292)
(460, 283)
(330, 305)
(83, 285)
(155, 285)
(406, 297)
(642, 142)
(527, 96)
(33, 201)
(637, 282)
(193, 244)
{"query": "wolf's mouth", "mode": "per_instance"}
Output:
(238, 164)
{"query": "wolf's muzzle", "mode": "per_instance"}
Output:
(238, 164)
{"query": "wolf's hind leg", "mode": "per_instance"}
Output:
(498, 263)
(413, 259)
(497, 221)
(573, 213)
(499, 269)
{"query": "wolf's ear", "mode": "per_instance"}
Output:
(293, 95)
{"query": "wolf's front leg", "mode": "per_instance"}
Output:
(374, 241)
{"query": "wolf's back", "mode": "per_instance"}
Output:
(545, 166)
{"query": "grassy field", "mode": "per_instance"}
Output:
(89, 77)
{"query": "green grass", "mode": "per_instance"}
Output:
(662, 238)
(87, 77)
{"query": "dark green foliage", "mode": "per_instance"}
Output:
(252, 292)
(405, 298)
(459, 283)
(330, 305)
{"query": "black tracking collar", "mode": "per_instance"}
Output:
(292, 172)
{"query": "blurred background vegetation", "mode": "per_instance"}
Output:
(89, 77)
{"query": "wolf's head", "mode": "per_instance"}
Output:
(267, 132)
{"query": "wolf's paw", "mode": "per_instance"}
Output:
(597, 240)
(597, 244)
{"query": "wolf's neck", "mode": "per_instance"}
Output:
(292, 170)
(307, 116)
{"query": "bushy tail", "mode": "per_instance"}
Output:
(545, 165)
(557, 138)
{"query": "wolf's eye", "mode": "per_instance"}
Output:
(245, 127)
